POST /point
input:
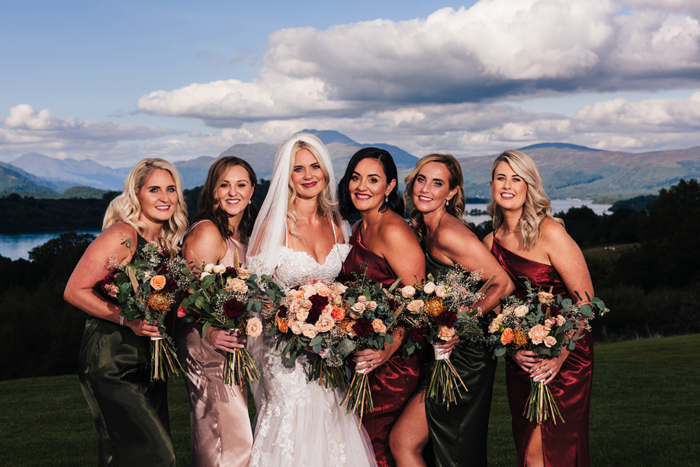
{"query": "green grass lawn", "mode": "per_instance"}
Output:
(645, 409)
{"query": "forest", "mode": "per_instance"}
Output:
(642, 258)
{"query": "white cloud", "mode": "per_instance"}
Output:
(496, 49)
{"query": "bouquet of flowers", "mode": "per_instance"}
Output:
(436, 311)
(149, 287)
(372, 315)
(538, 321)
(225, 297)
(310, 317)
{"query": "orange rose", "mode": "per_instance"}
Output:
(282, 325)
(507, 336)
(158, 282)
(338, 314)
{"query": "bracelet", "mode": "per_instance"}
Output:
(121, 321)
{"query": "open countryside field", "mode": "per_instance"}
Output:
(644, 412)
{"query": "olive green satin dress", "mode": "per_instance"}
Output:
(459, 434)
(130, 412)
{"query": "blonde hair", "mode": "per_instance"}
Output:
(126, 207)
(326, 203)
(455, 207)
(537, 205)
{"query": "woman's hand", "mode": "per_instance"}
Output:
(141, 328)
(224, 339)
(548, 368)
(448, 346)
(370, 359)
(526, 359)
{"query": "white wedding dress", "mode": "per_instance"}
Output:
(301, 423)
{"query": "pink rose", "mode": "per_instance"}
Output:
(538, 334)
(521, 311)
(545, 297)
(446, 333)
(254, 327)
(561, 320)
(325, 323)
(309, 330)
(550, 341)
(296, 327)
(378, 325)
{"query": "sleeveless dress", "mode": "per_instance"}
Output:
(130, 412)
(563, 443)
(221, 434)
(393, 382)
(459, 434)
(299, 422)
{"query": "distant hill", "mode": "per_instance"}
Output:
(67, 173)
(571, 171)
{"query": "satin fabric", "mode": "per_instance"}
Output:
(220, 430)
(459, 434)
(130, 412)
(563, 443)
(393, 382)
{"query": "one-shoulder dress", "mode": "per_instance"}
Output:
(220, 430)
(563, 443)
(130, 412)
(392, 383)
(459, 434)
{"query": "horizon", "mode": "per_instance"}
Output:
(115, 83)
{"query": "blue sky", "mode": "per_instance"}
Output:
(118, 81)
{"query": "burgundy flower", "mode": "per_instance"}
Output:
(521, 294)
(318, 302)
(446, 318)
(282, 311)
(230, 273)
(418, 332)
(170, 285)
(393, 304)
(553, 310)
(162, 269)
(363, 327)
(233, 308)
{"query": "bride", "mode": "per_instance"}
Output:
(300, 236)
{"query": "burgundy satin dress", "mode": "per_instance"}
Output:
(394, 382)
(563, 443)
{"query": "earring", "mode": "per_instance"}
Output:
(447, 203)
(386, 199)
(250, 201)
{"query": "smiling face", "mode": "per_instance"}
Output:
(307, 176)
(431, 188)
(158, 197)
(368, 185)
(508, 188)
(235, 190)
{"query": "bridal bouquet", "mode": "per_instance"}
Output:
(149, 287)
(538, 321)
(225, 297)
(436, 311)
(309, 317)
(372, 315)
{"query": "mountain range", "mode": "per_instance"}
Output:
(568, 171)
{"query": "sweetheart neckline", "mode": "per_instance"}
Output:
(325, 260)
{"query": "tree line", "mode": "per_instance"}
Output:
(650, 281)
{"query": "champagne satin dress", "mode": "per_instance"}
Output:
(220, 431)
(393, 382)
(563, 443)
(130, 412)
(459, 434)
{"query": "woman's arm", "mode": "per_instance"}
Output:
(116, 244)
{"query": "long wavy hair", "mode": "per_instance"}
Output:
(210, 206)
(126, 207)
(456, 180)
(394, 201)
(537, 205)
(326, 202)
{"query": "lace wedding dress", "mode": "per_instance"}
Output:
(301, 423)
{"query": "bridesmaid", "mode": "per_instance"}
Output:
(221, 434)
(529, 242)
(130, 411)
(458, 434)
(383, 239)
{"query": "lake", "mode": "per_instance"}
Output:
(18, 245)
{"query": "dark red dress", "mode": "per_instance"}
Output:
(563, 443)
(394, 382)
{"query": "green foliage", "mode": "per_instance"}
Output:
(638, 203)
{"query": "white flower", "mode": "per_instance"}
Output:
(441, 291)
(408, 291)
(219, 269)
(203, 275)
(209, 268)
(521, 311)
(429, 288)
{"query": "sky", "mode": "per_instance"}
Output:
(115, 82)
